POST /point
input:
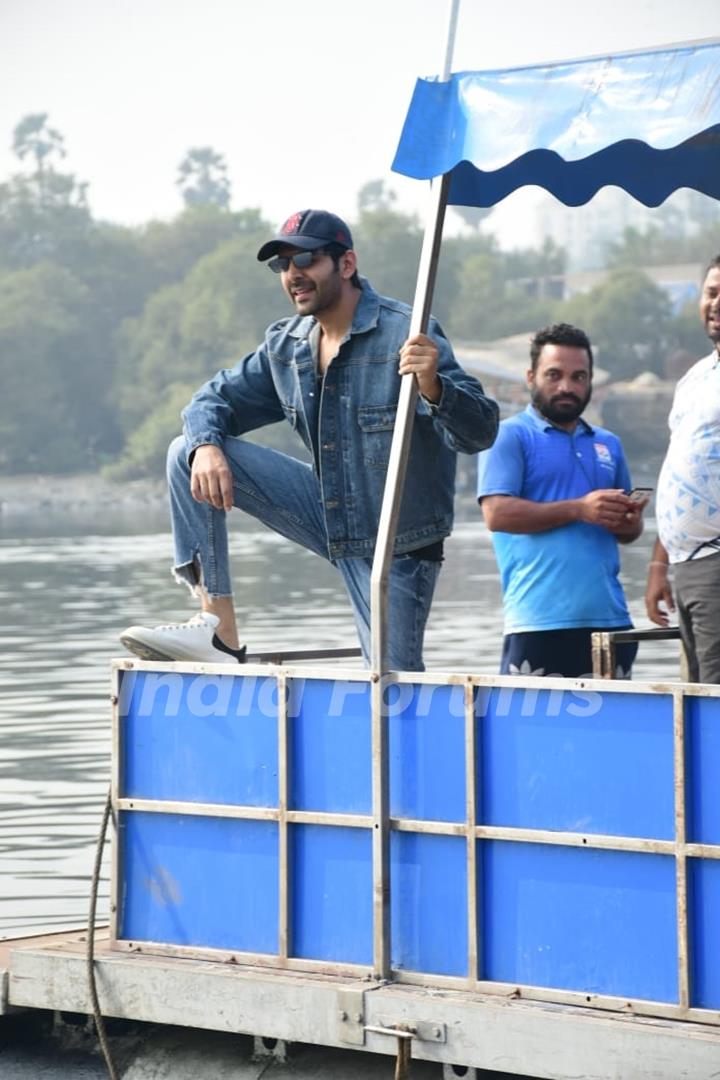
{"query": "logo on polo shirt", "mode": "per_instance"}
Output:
(603, 454)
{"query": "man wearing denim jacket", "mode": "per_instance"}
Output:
(333, 371)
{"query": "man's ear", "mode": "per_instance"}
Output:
(530, 377)
(348, 264)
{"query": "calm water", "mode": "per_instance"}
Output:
(68, 586)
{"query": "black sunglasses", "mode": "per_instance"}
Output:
(301, 261)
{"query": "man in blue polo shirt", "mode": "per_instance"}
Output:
(553, 493)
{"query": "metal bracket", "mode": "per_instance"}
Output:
(422, 1030)
(351, 1016)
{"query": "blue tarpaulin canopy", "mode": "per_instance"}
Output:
(648, 122)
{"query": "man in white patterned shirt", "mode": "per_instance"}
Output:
(688, 505)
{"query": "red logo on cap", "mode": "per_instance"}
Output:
(340, 235)
(291, 225)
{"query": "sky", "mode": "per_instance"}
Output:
(305, 100)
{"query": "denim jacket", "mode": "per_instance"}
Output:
(346, 421)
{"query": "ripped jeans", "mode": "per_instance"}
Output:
(284, 494)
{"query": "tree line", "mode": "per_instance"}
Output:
(106, 330)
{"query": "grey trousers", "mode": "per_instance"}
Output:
(697, 593)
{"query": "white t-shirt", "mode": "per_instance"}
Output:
(688, 496)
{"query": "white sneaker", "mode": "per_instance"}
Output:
(193, 640)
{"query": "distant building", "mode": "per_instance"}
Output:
(587, 232)
(681, 282)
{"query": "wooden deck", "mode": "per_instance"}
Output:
(491, 1032)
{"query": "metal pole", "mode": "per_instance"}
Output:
(402, 433)
(400, 448)
(387, 528)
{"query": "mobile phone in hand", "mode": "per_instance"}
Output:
(639, 493)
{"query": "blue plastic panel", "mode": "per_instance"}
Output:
(427, 752)
(704, 911)
(331, 890)
(209, 882)
(576, 761)
(329, 737)
(199, 738)
(599, 922)
(428, 903)
(702, 732)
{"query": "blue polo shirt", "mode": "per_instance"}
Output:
(565, 577)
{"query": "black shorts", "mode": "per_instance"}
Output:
(567, 653)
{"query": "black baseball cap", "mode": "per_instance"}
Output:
(308, 230)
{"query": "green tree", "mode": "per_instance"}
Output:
(530, 263)
(481, 306)
(42, 212)
(690, 332)
(52, 412)
(499, 293)
(111, 263)
(202, 178)
(33, 137)
(629, 321)
(473, 216)
(191, 328)
(375, 195)
(388, 245)
(637, 248)
(34, 229)
(672, 242)
(149, 356)
(174, 247)
(704, 215)
(146, 447)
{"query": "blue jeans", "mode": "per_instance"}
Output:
(285, 495)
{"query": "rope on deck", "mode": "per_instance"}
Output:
(90, 955)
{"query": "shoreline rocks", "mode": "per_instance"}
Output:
(88, 493)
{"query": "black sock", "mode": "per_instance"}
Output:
(239, 654)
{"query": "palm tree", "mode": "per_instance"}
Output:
(34, 136)
(202, 178)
